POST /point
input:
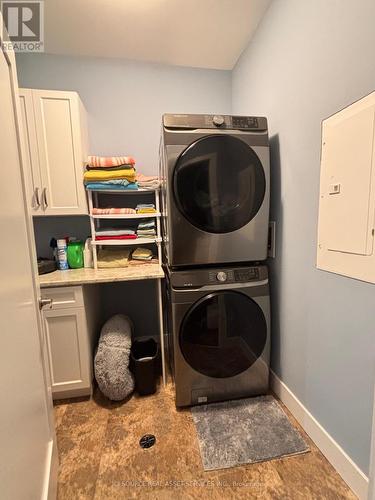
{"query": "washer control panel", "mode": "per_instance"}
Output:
(239, 275)
(198, 278)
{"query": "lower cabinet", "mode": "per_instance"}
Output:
(71, 329)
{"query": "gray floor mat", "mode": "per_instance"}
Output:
(245, 431)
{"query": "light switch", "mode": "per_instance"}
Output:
(334, 188)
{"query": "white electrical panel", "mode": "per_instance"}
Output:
(347, 192)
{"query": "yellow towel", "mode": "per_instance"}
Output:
(146, 211)
(96, 175)
(142, 254)
(113, 258)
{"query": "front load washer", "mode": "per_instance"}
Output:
(218, 326)
(214, 173)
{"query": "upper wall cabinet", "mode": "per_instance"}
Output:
(347, 192)
(55, 147)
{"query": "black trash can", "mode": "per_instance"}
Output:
(144, 354)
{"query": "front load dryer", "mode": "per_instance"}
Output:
(214, 173)
(218, 327)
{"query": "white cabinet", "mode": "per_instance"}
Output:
(71, 329)
(347, 192)
(55, 144)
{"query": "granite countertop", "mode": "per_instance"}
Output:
(86, 276)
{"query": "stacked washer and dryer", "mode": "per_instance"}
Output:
(214, 174)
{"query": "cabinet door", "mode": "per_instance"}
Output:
(59, 137)
(68, 352)
(30, 152)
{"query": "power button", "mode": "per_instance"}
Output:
(221, 276)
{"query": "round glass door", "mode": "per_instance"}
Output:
(223, 334)
(219, 184)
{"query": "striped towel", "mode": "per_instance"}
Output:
(110, 211)
(120, 237)
(110, 161)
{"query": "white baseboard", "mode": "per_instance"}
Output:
(347, 469)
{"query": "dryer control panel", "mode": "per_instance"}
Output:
(227, 122)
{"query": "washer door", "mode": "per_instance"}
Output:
(219, 184)
(223, 334)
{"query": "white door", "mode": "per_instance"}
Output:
(58, 128)
(26, 436)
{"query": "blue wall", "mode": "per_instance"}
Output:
(125, 99)
(309, 59)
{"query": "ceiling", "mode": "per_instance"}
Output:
(198, 33)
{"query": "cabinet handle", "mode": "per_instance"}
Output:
(45, 197)
(45, 302)
(36, 196)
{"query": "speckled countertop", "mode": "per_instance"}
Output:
(86, 276)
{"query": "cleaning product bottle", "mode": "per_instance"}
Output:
(62, 255)
(75, 254)
(87, 253)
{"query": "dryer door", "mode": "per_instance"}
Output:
(223, 334)
(219, 183)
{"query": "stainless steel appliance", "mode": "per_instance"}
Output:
(218, 325)
(215, 189)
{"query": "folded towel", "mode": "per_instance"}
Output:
(146, 211)
(110, 169)
(110, 211)
(146, 229)
(113, 231)
(146, 178)
(142, 254)
(145, 205)
(117, 182)
(118, 237)
(96, 175)
(148, 181)
(146, 234)
(113, 258)
(101, 186)
(146, 225)
(109, 161)
(145, 208)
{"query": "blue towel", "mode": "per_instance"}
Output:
(97, 186)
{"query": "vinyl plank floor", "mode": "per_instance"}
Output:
(100, 457)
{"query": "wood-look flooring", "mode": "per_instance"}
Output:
(100, 457)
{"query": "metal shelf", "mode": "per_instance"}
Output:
(136, 241)
(93, 199)
(123, 191)
(126, 216)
